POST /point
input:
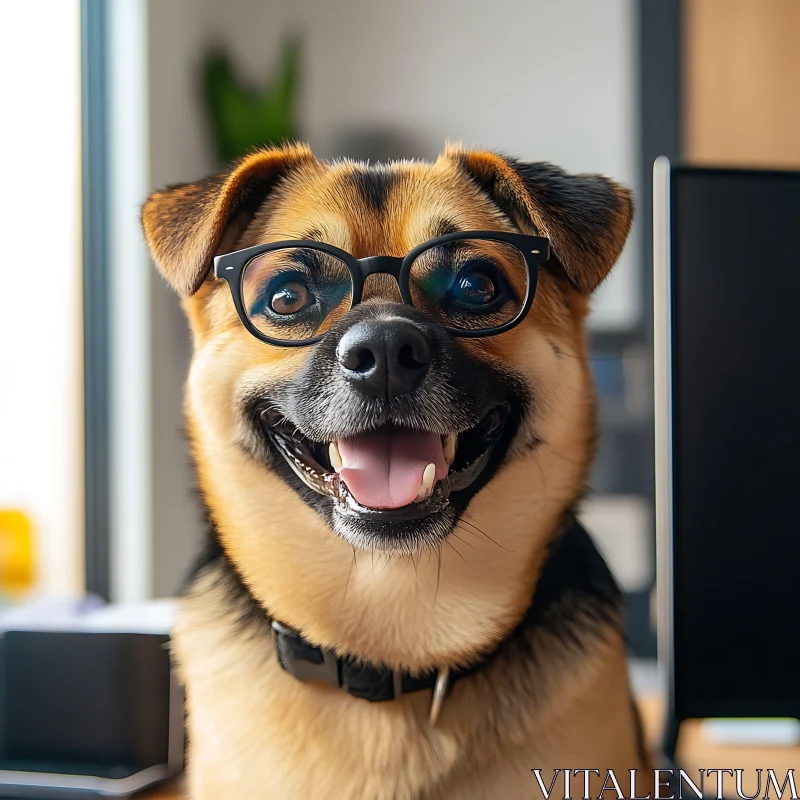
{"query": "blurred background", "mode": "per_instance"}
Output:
(106, 100)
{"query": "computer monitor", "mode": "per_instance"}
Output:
(727, 322)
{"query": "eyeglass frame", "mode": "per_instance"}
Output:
(231, 267)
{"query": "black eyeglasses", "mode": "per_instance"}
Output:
(476, 283)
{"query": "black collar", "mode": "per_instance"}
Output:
(374, 682)
(573, 567)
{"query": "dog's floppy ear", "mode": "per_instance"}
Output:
(188, 224)
(586, 217)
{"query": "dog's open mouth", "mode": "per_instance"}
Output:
(392, 473)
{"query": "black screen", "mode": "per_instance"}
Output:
(735, 239)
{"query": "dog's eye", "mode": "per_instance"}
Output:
(289, 297)
(477, 283)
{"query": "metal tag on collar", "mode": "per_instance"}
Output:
(439, 693)
(397, 683)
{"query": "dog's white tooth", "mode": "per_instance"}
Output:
(334, 456)
(426, 487)
(449, 447)
(428, 477)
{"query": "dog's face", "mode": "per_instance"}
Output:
(350, 426)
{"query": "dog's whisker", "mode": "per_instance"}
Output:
(470, 531)
(486, 535)
(438, 572)
(542, 473)
(347, 583)
(599, 359)
(386, 564)
(471, 521)
(455, 535)
(453, 548)
(560, 455)
(471, 527)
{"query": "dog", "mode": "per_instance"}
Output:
(391, 433)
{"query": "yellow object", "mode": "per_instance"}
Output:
(16, 552)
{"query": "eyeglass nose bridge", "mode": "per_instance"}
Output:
(380, 265)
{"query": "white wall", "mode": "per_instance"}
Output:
(539, 79)
(41, 416)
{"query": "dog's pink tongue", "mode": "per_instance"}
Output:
(384, 469)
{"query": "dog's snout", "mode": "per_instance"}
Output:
(384, 358)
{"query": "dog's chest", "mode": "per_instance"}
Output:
(256, 732)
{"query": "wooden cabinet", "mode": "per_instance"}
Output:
(741, 82)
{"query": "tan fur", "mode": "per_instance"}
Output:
(255, 731)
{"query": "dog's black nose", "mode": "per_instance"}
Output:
(384, 358)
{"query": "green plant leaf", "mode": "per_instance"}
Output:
(243, 117)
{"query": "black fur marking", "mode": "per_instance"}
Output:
(311, 235)
(374, 184)
(556, 349)
(441, 227)
(575, 585)
(530, 443)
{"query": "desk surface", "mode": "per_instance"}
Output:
(694, 752)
